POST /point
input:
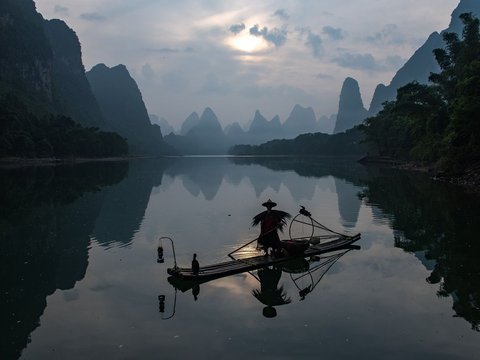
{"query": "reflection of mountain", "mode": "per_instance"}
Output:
(259, 177)
(310, 167)
(203, 175)
(46, 219)
(435, 223)
(348, 202)
(345, 174)
(124, 204)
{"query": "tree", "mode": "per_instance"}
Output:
(438, 122)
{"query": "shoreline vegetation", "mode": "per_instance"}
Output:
(435, 126)
(8, 162)
(468, 178)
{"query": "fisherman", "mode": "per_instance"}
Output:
(195, 265)
(270, 222)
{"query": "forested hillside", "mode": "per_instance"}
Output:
(318, 144)
(437, 123)
(46, 106)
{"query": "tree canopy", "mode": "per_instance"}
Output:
(438, 122)
(23, 134)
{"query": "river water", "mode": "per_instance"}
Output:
(80, 277)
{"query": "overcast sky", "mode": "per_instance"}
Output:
(237, 56)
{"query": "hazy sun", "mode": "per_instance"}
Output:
(247, 43)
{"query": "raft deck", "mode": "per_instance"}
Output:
(215, 271)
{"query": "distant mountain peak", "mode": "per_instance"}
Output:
(208, 114)
(422, 62)
(122, 104)
(189, 123)
(301, 120)
(350, 108)
(234, 130)
(208, 122)
(259, 124)
(276, 120)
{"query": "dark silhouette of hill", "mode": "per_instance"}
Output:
(47, 107)
(326, 124)
(41, 62)
(350, 108)
(261, 130)
(26, 57)
(342, 144)
(165, 126)
(300, 121)
(234, 131)
(199, 137)
(122, 105)
(417, 68)
(204, 138)
(422, 63)
(190, 122)
(72, 93)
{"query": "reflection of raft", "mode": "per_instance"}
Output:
(232, 267)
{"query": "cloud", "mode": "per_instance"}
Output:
(314, 41)
(92, 17)
(276, 36)
(175, 81)
(167, 50)
(254, 30)
(215, 85)
(334, 33)
(147, 72)
(59, 9)
(282, 14)
(237, 28)
(357, 61)
(389, 35)
(394, 62)
(293, 93)
(323, 76)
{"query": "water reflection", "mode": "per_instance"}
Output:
(433, 221)
(200, 175)
(124, 204)
(348, 202)
(46, 218)
(436, 223)
(270, 293)
(304, 273)
(51, 217)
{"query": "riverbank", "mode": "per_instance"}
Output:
(20, 162)
(469, 178)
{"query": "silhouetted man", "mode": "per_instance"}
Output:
(270, 221)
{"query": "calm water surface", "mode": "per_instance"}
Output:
(79, 276)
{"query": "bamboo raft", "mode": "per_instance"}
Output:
(237, 266)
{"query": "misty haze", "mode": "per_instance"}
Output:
(264, 180)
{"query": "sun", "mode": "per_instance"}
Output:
(247, 43)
